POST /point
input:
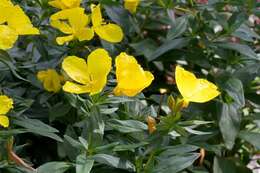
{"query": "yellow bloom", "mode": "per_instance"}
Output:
(51, 80)
(106, 31)
(91, 76)
(6, 104)
(13, 22)
(193, 89)
(72, 22)
(65, 4)
(131, 5)
(131, 77)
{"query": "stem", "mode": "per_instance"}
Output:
(15, 158)
(148, 163)
(160, 105)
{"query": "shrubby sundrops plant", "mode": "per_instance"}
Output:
(141, 86)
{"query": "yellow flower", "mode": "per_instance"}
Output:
(91, 76)
(193, 89)
(106, 31)
(131, 5)
(72, 22)
(65, 4)
(13, 22)
(51, 80)
(131, 78)
(6, 104)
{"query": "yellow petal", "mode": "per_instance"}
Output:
(75, 88)
(205, 91)
(20, 22)
(69, 20)
(51, 80)
(99, 66)
(72, 21)
(6, 3)
(8, 37)
(77, 18)
(57, 4)
(85, 34)
(65, 39)
(185, 81)
(71, 3)
(110, 32)
(65, 4)
(6, 104)
(96, 16)
(76, 68)
(131, 78)
(99, 63)
(4, 121)
(42, 75)
(131, 5)
(193, 89)
(62, 26)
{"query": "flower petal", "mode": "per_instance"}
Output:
(75, 88)
(63, 40)
(110, 32)
(85, 34)
(71, 3)
(57, 4)
(4, 121)
(6, 104)
(76, 68)
(131, 77)
(96, 16)
(99, 66)
(51, 80)
(8, 37)
(65, 4)
(193, 89)
(20, 22)
(131, 5)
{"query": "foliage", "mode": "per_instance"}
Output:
(155, 131)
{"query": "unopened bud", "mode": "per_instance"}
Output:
(151, 124)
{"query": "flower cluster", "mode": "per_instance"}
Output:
(6, 104)
(13, 22)
(73, 22)
(91, 77)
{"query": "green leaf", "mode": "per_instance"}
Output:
(129, 147)
(57, 167)
(169, 45)
(83, 165)
(75, 143)
(37, 127)
(145, 47)
(176, 163)
(59, 110)
(236, 20)
(234, 88)
(251, 137)
(6, 59)
(246, 33)
(179, 26)
(123, 18)
(178, 150)
(114, 161)
(222, 165)
(241, 48)
(230, 165)
(127, 126)
(229, 123)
